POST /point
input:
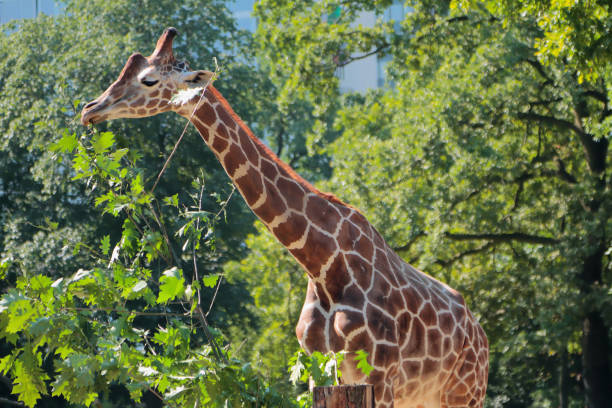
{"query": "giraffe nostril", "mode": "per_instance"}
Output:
(90, 104)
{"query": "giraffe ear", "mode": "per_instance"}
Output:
(196, 78)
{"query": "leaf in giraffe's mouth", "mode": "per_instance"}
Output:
(185, 95)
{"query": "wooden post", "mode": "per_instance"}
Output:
(344, 396)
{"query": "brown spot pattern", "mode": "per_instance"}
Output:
(336, 279)
(250, 184)
(224, 116)
(233, 159)
(268, 169)
(347, 321)
(381, 325)
(248, 146)
(347, 236)
(317, 250)
(273, 206)
(322, 213)
(291, 230)
(294, 195)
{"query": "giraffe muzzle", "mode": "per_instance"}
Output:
(90, 113)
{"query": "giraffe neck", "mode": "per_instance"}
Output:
(302, 218)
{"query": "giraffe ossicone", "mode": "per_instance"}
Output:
(426, 347)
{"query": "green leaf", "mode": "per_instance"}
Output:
(296, 371)
(7, 362)
(28, 381)
(5, 263)
(172, 285)
(210, 280)
(172, 200)
(101, 142)
(105, 245)
(66, 144)
(40, 282)
(21, 313)
(362, 362)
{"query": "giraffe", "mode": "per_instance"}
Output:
(426, 347)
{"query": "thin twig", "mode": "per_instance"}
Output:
(197, 105)
(110, 309)
(211, 340)
(173, 258)
(212, 301)
(11, 403)
(161, 398)
(218, 285)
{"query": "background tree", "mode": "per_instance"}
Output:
(483, 161)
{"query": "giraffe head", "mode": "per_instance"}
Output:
(145, 85)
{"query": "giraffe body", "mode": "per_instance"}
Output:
(426, 348)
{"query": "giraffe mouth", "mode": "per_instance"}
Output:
(90, 115)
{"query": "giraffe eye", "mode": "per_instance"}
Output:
(149, 83)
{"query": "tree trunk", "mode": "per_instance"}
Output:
(344, 396)
(597, 378)
(563, 380)
(595, 364)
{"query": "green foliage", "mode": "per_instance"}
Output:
(172, 285)
(576, 31)
(95, 324)
(483, 160)
(322, 369)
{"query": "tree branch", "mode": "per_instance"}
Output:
(544, 102)
(595, 150)
(113, 310)
(447, 262)
(550, 120)
(455, 19)
(600, 96)
(411, 242)
(279, 141)
(362, 56)
(562, 173)
(10, 403)
(517, 195)
(504, 237)
(538, 67)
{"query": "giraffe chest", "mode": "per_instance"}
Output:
(313, 323)
(326, 327)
